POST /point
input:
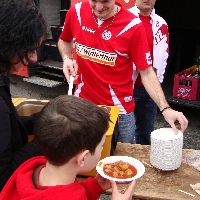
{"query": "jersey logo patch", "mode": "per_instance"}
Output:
(96, 55)
(84, 28)
(106, 35)
(128, 99)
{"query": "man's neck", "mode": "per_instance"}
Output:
(146, 12)
(143, 13)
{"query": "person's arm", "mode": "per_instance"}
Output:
(92, 188)
(69, 67)
(10, 157)
(95, 186)
(153, 87)
(166, 53)
(5, 146)
(162, 53)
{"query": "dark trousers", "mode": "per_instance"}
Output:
(145, 115)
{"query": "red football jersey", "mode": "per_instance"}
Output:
(106, 54)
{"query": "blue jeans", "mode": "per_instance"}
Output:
(127, 128)
(145, 115)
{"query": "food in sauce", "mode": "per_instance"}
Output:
(119, 169)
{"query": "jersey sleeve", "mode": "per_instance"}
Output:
(72, 23)
(67, 28)
(139, 49)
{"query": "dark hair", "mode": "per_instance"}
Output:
(68, 125)
(21, 28)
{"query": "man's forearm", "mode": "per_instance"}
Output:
(65, 49)
(153, 87)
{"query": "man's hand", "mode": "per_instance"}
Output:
(171, 116)
(153, 87)
(69, 65)
(70, 68)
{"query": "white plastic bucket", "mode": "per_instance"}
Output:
(166, 149)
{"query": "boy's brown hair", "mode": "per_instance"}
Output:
(68, 125)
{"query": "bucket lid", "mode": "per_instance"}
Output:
(166, 134)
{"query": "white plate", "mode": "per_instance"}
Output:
(166, 134)
(132, 161)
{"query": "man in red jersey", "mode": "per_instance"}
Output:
(158, 40)
(109, 40)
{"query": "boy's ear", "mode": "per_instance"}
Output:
(81, 158)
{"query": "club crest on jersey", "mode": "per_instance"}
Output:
(106, 35)
(128, 99)
(84, 28)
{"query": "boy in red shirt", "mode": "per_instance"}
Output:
(71, 133)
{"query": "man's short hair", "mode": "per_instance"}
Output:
(22, 26)
(69, 125)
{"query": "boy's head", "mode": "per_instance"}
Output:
(68, 125)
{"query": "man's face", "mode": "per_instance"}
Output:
(103, 8)
(145, 6)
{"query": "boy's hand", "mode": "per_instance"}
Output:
(116, 195)
(103, 182)
(123, 195)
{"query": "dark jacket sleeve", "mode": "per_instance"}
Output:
(5, 145)
(10, 157)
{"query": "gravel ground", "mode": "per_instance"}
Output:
(19, 88)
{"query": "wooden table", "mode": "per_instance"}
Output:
(156, 184)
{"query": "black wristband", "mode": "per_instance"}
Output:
(165, 109)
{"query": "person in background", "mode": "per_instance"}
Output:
(22, 29)
(71, 133)
(158, 40)
(109, 40)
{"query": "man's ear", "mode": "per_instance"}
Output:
(81, 158)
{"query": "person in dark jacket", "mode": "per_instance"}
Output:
(22, 30)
